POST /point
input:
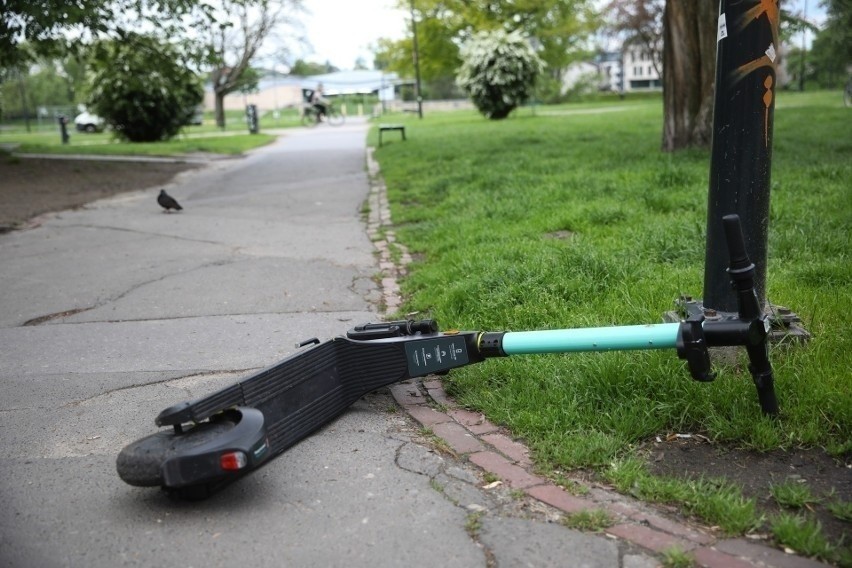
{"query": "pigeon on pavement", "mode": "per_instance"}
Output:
(168, 202)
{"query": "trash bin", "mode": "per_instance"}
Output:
(251, 119)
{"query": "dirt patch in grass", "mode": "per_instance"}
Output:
(33, 186)
(829, 479)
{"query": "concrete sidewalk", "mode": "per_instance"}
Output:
(111, 313)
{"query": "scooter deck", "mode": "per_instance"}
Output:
(304, 391)
(308, 389)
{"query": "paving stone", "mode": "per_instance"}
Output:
(649, 538)
(514, 476)
(559, 498)
(407, 394)
(511, 449)
(769, 556)
(521, 542)
(622, 509)
(712, 558)
(428, 416)
(605, 495)
(461, 474)
(473, 421)
(439, 396)
(463, 494)
(673, 528)
(458, 438)
(416, 458)
(639, 561)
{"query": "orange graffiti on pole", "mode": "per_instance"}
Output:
(768, 8)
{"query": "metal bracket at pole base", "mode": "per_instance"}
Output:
(786, 326)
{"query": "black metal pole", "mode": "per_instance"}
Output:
(63, 129)
(416, 64)
(743, 116)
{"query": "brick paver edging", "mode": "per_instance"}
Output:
(469, 434)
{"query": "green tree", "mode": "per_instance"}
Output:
(438, 49)
(639, 22)
(831, 53)
(498, 71)
(304, 68)
(235, 34)
(143, 88)
(360, 64)
(51, 27)
(558, 29)
(249, 81)
(57, 82)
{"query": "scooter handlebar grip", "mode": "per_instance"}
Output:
(736, 243)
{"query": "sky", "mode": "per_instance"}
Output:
(340, 31)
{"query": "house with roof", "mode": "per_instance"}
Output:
(630, 69)
(278, 91)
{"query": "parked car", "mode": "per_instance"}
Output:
(88, 122)
(197, 118)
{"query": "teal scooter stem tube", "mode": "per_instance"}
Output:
(620, 338)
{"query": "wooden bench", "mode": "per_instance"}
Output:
(389, 128)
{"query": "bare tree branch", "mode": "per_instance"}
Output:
(247, 25)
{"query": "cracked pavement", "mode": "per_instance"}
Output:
(115, 311)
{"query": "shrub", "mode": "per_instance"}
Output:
(141, 89)
(498, 71)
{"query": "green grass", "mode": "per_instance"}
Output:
(473, 524)
(841, 510)
(676, 558)
(714, 500)
(594, 520)
(792, 494)
(568, 219)
(803, 535)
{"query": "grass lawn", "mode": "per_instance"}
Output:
(104, 144)
(234, 139)
(561, 218)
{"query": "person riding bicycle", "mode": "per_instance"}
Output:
(319, 103)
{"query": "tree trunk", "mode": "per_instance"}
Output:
(22, 90)
(219, 108)
(689, 67)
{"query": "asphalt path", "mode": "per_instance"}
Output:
(110, 313)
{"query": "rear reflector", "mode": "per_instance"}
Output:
(233, 461)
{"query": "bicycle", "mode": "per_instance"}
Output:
(311, 116)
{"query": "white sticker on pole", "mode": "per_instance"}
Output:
(770, 53)
(723, 28)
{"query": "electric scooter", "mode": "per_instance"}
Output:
(211, 442)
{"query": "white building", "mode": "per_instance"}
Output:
(580, 73)
(640, 69)
(610, 70)
(631, 69)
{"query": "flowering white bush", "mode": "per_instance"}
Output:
(498, 71)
